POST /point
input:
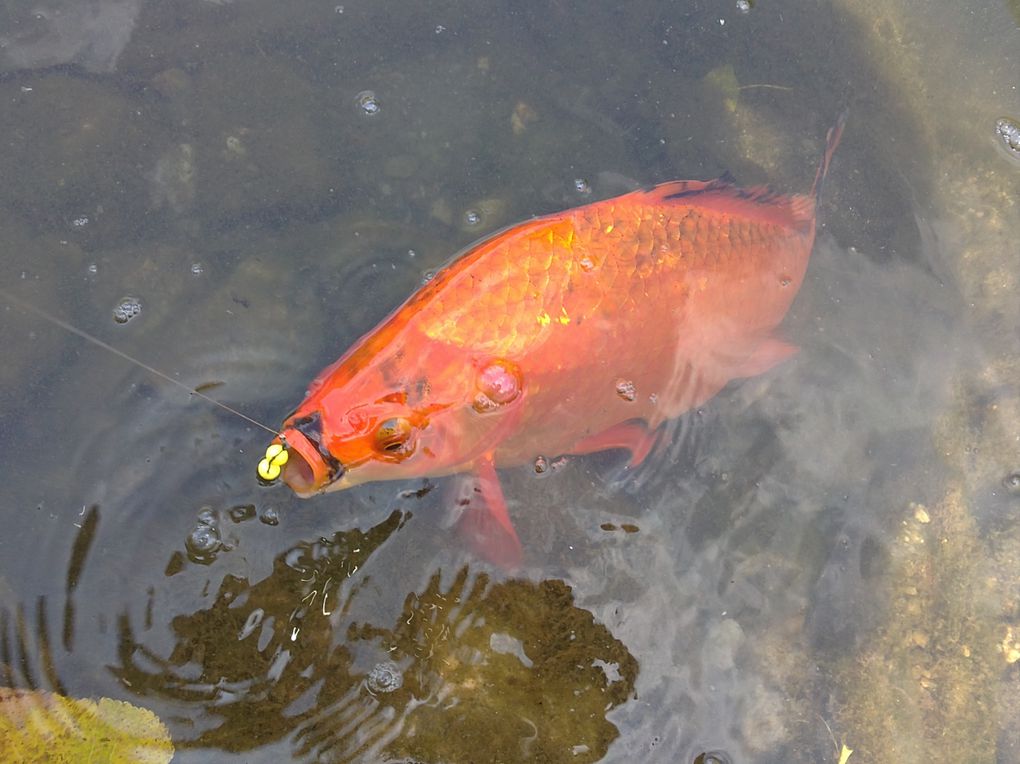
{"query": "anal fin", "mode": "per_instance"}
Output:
(770, 352)
(484, 521)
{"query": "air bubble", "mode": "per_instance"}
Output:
(427, 277)
(197, 269)
(80, 222)
(440, 29)
(235, 146)
(270, 516)
(385, 677)
(1009, 131)
(367, 103)
(626, 390)
(207, 516)
(785, 281)
(128, 308)
(1012, 483)
(499, 383)
(744, 6)
(241, 513)
(586, 263)
(93, 269)
(203, 543)
(472, 217)
(582, 186)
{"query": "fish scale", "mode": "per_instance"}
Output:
(649, 259)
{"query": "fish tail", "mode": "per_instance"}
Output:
(831, 142)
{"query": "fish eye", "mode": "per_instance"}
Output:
(393, 436)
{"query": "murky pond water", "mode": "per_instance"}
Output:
(233, 192)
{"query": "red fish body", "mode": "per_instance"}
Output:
(570, 333)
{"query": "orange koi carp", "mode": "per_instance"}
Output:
(571, 333)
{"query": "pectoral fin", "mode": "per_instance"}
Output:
(484, 521)
(771, 352)
(633, 436)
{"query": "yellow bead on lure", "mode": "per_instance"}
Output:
(273, 462)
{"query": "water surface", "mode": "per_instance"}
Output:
(824, 554)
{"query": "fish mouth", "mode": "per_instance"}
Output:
(309, 469)
(298, 474)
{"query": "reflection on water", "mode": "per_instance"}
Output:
(824, 554)
(467, 664)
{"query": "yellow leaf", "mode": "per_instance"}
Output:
(37, 726)
(844, 754)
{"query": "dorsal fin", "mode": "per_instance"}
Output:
(760, 203)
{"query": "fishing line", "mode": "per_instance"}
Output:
(96, 341)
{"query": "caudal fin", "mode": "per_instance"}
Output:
(831, 142)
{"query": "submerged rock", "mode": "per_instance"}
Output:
(80, 150)
(923, 686)
(55, 32)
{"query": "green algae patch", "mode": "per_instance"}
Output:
(462, 668)
(37, 726)
(922, 688)
(523, 674)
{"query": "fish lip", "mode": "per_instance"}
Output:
(304, 470)
(313, 468)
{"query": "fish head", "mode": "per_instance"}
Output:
(426, 415)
